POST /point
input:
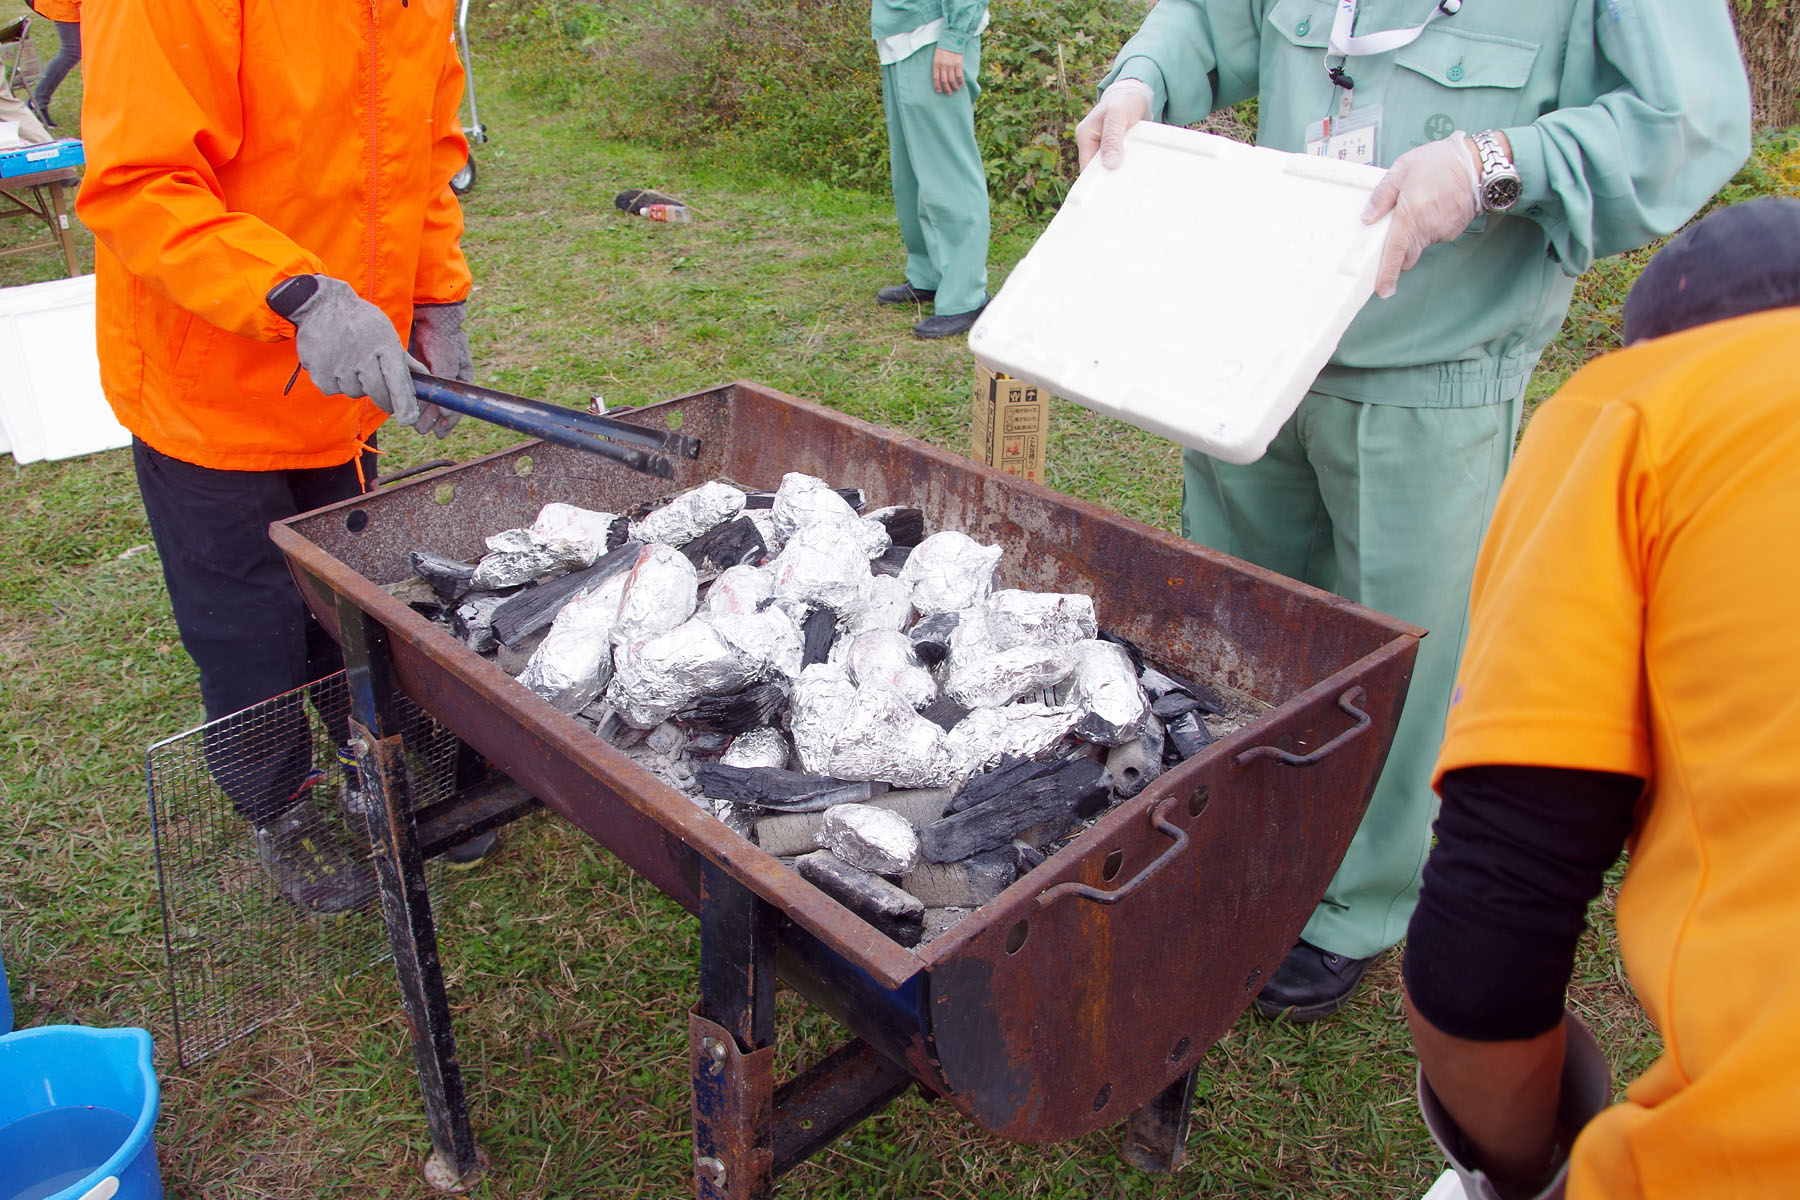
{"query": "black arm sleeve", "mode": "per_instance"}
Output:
(1520, 853)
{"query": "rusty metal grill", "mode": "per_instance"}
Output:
(239, 955)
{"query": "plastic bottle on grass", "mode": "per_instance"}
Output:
(642, 202)
(674, 214)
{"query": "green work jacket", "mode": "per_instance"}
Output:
(1625, 116)
(962, 19)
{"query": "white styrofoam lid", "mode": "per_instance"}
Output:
(1195, 290)
(51, 405)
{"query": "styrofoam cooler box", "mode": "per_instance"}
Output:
(1195, 290)
(51, 405)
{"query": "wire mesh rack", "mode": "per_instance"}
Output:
(242, 950)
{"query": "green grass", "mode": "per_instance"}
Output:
(569, 977)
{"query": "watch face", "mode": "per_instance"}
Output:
(1500, 194)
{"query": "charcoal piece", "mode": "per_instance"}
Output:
(1160, 683)
(1025, 856)
(895, 913)
(817, 635)
(1079, 789)
(740, 712)
(784, 791)
(708, 744)
(431, 610)
(515, 658)
(854, 497)
(617, 534)
(613, 728)
(1186, 736)
(1171, 705)
(534, 609)
(473, 620)
(1011, 771)
(905, 526)
(931, 636)
(944, 713)
(1131, 648)
(450, 578)
(890, 561)
(1139, 761)
(920, 806)
(967, 884)
(786, 835)
(734, 543)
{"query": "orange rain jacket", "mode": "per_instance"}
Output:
(66, 11)
(231, 144)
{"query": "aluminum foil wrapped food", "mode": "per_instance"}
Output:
(987, 735)
(1009, 674)
(1105, 688)
(887, 658)
(820, 566)
(740, 589)
(654, 678)
(578, 534)
(661, 592)
(690, 514)
(765, 747)
(514, 557)
(802, 501)
(950, 571)
(864, 733)
(573, 663)
(886, 604)
(1017, 618)
(871, 839)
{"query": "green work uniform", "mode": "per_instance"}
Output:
(1624, 116)
(940, 186)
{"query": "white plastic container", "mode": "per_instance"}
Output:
(1194, 291)
(51, 405)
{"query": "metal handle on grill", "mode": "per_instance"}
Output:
(1049, 896)
(1347, 702)
(564, 426)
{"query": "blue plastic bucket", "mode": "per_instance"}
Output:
(77, 1110)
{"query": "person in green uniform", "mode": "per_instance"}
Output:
(1523, 140)
(930, 53)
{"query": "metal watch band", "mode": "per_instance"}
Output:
(1499, 187)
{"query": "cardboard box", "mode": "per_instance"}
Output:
(1011, 425)
(47, 156)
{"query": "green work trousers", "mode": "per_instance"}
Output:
(940, 186)
(1384, 505)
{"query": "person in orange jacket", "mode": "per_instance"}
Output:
(66, 16)
(268, 186)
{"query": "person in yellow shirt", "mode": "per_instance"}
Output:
(1632, 678)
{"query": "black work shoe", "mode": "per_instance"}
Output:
(904, 293)
(472, 853)
(311, 866)
(42, 114)
(946, 324)
(1310, 983)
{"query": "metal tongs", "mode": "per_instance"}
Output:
(564, 426)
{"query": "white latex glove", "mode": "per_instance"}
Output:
(1122, 105)
(439, 342)
(1431, 192)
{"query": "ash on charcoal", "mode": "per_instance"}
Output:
(515, 658)
(759, 747)
(1137, 763)
(666, 739)
(449, 578)
(535, 608)
(1171, 705)
(774, 788)
(417, 595)
(753, 707)
(1025, 856)
(473, 621)
(788, 835)
(690, 514)
(892, 911)
(949, 571)
(920, 806)
(970, 883)
(905, 526)
(939, 921)
(1080, 788)
(870, 838)
(931, 636)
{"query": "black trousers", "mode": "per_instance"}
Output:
(241, 618)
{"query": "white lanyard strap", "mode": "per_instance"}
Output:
(1343, 45)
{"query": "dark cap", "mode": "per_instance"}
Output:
(1739, 260)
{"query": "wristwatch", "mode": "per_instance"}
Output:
(287, 297)
(1498, 188)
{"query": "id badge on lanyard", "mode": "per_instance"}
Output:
(1346, 134)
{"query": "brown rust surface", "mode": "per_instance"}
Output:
(1099, 1006)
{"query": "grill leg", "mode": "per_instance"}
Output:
(731, 1037)
(455, 1160)
(1156, 1134)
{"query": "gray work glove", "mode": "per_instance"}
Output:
(349, 348)
(439, 342)
(1586, 1090)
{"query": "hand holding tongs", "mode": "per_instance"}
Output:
(564, 426)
